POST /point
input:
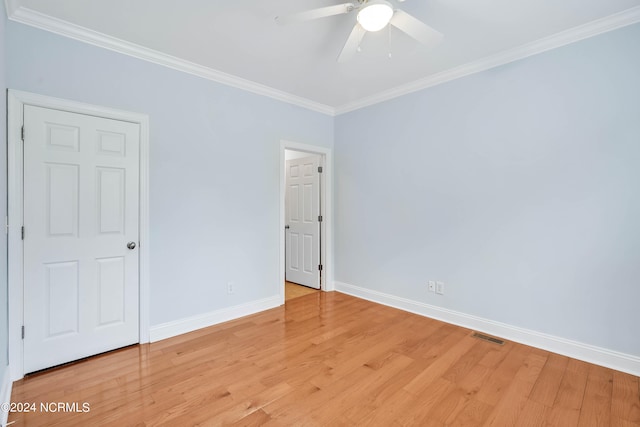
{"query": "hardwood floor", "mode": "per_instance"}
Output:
(293, 290)
(331, 359)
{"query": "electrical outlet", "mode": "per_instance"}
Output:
(440, 288)
(230, 288)
(432, 286)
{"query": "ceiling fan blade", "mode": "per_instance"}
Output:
(415, 28)
(351, 46)
(322, 12)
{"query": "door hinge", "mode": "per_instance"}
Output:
(22, 232)
(319, 218)
(320, 267)
(22, 331)
(319, 168)
(22, 133)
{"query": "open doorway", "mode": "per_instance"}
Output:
(303, 218)
(305, 190)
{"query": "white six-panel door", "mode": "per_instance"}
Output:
(302, 211)
(81, 210)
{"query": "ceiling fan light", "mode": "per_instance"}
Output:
(375, 16)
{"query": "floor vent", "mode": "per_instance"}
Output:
(488, 338)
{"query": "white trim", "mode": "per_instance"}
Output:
(27, 16)
(577, 350)
(14, 241)
(189, 324)
(572, 35)
(144, 246)
(327, 211)
(5, 395)
(48, 23)
(15, 107)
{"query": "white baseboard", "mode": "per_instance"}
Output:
(182, 326)
(5, 394)
(588, 353)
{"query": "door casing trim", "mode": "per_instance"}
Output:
(326, 196)
(16, 100)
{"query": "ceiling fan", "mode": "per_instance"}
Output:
(372, 15)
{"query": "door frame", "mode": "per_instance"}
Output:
(326, 210)
(16, 100)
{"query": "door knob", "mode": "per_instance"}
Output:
(131, 245)
(286, 227)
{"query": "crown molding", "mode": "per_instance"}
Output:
(590, 29)
(30, 17)
(48, 23)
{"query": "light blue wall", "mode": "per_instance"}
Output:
(519, 187)
(4, 342)
(214, 165)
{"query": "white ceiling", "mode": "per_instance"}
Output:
(241, 38)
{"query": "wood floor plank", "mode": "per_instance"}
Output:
(439, 342)
(255, 419)
(533, 414)
(440, 366)
(625, 404)
(415, 411)
(475, 379)
(466, 363)
(474, 413)
(596, 404)
(379, 397)
(393, 364)
(509, 408)
(500, 378)
(331, 359)
(559, 416)
(546, 388)
(571, 391)
(299, 394)
(302, 408)
(447, 408)
(240, 408)
(619, 422)
(495, 356)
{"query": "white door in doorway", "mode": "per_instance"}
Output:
(81, 213)
(302, 201)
